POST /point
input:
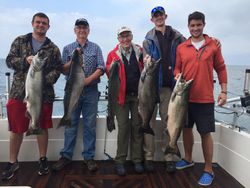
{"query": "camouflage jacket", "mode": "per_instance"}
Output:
(16, 60)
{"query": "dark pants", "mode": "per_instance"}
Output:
(128, 126)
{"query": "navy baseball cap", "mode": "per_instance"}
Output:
(157, 9)
(81, 21)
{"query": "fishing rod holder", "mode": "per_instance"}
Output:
(1, 107)
(247, 82)
(245, 100)
(7, 81)
(4, 97)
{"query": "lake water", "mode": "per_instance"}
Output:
(236, 76)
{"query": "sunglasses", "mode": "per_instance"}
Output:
(157, 9)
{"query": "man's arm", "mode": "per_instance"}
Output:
(100, 69)
(15, 60)
(222, 98)
(66, 61)
(221, 71)
(56, 66)
(96, 75)
(177, 69)
(146, 50)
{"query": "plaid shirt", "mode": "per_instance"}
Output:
(93, 58)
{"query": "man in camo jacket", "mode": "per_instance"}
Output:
(19, 59)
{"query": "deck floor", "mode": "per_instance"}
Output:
(76, 175)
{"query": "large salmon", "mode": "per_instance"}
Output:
(177, 113)
(113, 89)
(74, 87)
(147, 93)
(33, 93)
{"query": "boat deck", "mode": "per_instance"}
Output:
(76, 175)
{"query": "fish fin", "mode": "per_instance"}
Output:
(32, 131)
(32, 73)
(110, 123)
(167, 118)
(149, 130)
(27, 114)
(26, 98)
(67, 85)
(64, 122)
(173, 96)
(143, 76)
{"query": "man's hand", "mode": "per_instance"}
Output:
(29, 59)
(177, 76)
(222, 99)
(147, 58)
(87, 81)
(79, 50)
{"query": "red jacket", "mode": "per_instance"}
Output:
(199, 65)
(115, 55)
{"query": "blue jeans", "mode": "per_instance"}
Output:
(87, 105)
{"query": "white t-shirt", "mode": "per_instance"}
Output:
(198, 45)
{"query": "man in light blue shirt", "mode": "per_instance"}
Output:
(87, 105)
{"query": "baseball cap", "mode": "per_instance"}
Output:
(157, 9)
(123, 29)
(81, 21)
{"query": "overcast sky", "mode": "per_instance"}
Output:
(227, 20)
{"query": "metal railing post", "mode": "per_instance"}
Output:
(1, 108)
(7, 76)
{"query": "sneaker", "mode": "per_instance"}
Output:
(206, 179)
(9, 170)
(61, 163)
(120, 169)
(91, 164)
(170, 166)
(43, 166)
(182, 164)
(149, 166)
(138, 167)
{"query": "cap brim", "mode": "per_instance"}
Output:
(157, 12)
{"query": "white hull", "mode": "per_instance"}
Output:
(231, 148)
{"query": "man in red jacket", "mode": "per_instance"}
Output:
(129, 57)
(196, 59)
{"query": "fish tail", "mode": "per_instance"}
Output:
(170, 150)
(147, 130)
(110, 123)
(64, 122)
(36, 131)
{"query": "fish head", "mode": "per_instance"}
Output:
(114, 68)
(182, 85)
(77, 56)
(39, 60)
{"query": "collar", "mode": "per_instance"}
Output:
(122, 51)
(85, 44)
(206, 37)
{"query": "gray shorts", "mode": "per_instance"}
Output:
(201, 114)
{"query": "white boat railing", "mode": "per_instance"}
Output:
(236, 106)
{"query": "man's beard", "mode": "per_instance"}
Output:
(38, 32)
